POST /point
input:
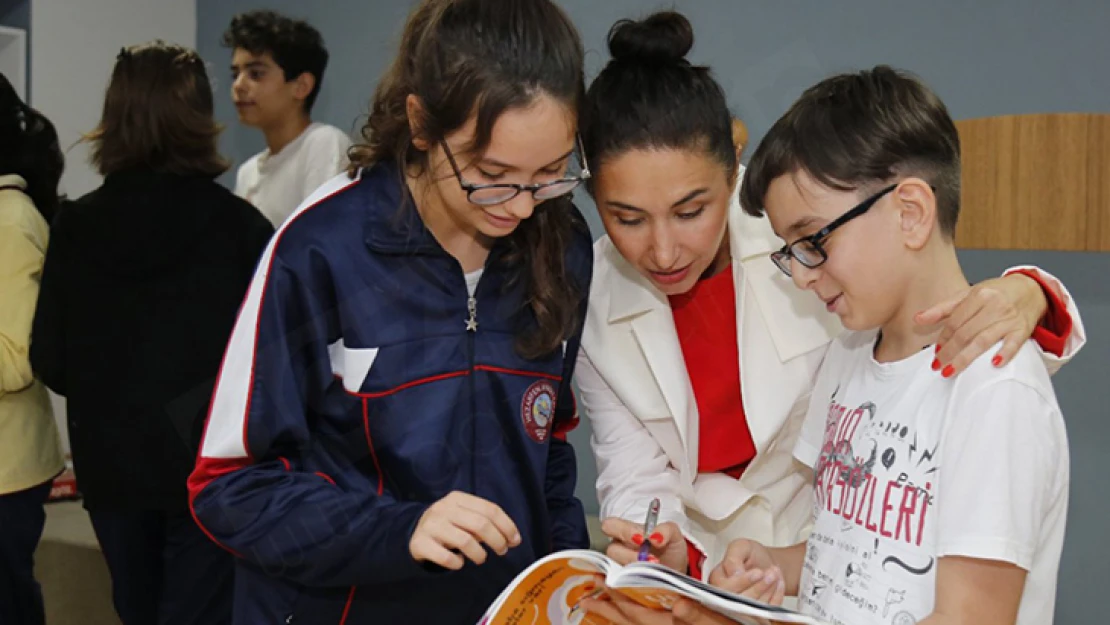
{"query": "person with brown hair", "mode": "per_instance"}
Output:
(139, 292)
(957, 513)
(698, 357)
(386, 443)
(30, 452)
(874, 157)
(277, 71)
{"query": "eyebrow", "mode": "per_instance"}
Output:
(496, 163)
(251, 65)
(686, 198)
(801, 223)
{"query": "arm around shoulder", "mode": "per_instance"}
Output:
(1061, 333)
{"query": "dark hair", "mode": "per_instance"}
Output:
(484, 57)
(650, 97)
(295, 45)
(30, 149)
(858, 131)
(158, 114)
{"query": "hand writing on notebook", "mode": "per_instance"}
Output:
(668, 546)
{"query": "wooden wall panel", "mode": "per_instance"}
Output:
(1036, 182)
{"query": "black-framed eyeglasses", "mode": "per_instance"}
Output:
(810, 251)
(499, 193)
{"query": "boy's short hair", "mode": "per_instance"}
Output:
(295, 45)
(858, 131)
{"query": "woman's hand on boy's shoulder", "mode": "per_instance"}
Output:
(1004, 309)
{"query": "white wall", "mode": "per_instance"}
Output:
(13, 58)
(74, 44)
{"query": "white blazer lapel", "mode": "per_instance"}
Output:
(777, 323)
(649, 313)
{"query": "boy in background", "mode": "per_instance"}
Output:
(277, 67)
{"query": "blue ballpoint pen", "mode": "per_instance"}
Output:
(649, 527)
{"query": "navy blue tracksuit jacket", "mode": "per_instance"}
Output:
(353, 395)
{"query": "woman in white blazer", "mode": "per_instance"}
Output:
(657, 135)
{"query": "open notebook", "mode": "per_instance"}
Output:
(548, 593)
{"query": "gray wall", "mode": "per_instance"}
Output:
(986, 58)
(15, 13)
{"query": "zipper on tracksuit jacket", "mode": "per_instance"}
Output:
(471, 330)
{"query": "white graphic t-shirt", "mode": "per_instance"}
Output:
(911, 467)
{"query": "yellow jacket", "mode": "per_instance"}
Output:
(30, 450)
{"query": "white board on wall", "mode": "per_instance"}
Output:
(73, 50)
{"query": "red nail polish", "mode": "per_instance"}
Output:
(997, 360)
(653, 559)
(936, 365)
(948, 371)
(938, 348)
(656, 538)
(637, 539)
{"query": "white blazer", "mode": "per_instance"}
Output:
(634, 388)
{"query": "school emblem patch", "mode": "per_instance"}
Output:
(537, 410)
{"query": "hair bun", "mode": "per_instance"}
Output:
(663, 37)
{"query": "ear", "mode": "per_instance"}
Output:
(414, 109)
(917, 206)
(739, 137)
(303, 86)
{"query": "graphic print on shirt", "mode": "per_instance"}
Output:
(874, 490)
(893, 505)
(893, 597)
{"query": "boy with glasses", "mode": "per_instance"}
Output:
(937, 499)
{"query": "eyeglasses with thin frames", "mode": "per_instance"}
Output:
(810, 250)
(499, 193)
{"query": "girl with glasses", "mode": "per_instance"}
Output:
(386, 441)
(698, 355)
